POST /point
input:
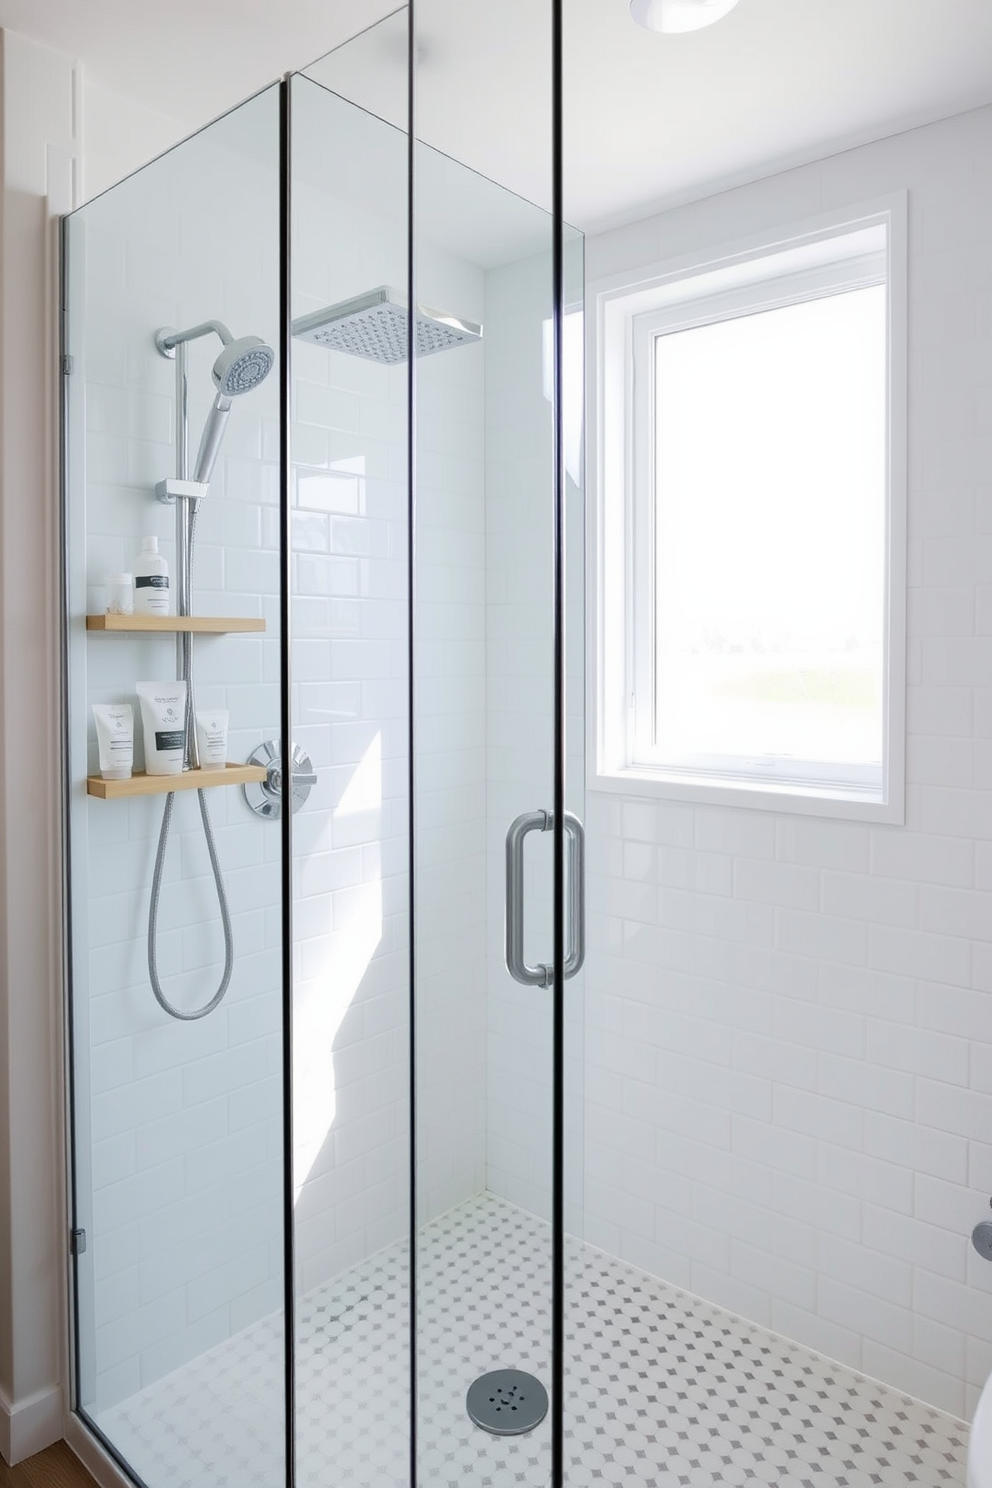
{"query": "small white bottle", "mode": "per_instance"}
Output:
(151, 580)
(120, 594)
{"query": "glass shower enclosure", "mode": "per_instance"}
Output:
(325, 1111)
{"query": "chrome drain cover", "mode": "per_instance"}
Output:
(507, 1402)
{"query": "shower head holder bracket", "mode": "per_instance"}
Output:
(168, 491)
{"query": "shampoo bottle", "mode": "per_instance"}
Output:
(151, 580)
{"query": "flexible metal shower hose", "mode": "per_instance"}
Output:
(163, 841)
(225, 914)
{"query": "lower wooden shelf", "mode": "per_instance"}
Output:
(141, 784)
(169, 624)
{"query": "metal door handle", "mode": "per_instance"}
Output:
(519, 829)
(575, 901)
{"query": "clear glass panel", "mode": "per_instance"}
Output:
(484, 737)
(351, 995)
(177, 1124)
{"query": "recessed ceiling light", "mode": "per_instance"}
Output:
(679, 15)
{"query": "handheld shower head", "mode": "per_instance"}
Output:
(213, 436)
(242, 365)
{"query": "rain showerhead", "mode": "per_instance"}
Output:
(374, 326)
(242, 365)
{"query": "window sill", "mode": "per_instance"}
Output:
(785, 797)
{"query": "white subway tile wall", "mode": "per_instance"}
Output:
(789, 1021)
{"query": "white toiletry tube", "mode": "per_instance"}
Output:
(211, 737)
(115, 737)
(163, 714)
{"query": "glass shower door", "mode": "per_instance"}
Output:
(478, 605)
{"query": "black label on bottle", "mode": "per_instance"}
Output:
(169, 739)
(152, 581)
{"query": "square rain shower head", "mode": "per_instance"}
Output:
(374, 326)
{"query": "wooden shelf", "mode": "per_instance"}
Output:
(169, 624)
(141, 784)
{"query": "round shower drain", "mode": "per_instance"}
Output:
(507, 1402)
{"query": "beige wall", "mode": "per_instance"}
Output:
(39, 150)
(44, 106)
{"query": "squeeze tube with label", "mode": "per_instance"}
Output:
(115, 737)
(163, 714)
(211, 736)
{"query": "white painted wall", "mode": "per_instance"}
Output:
(120, 135)
(789, 1103)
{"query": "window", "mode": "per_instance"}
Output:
(750, 574)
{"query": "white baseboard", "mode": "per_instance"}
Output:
(98, 1463)
(30, 1425)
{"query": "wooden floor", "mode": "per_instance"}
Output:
(56, 1467)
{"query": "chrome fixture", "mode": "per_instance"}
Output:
(575, 934)
(981, 1239)
(374, 326)
(679, 15)
(265, 796)
(241, 366)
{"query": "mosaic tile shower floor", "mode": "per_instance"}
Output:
(663, 1389)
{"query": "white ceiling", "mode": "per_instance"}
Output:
(650, 119)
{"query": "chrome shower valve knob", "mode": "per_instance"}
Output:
(265, 796)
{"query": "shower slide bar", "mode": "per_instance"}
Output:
(575, 929)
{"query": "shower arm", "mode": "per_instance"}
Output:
(168, 341)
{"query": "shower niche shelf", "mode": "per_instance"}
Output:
(170, 624)
(141, 784)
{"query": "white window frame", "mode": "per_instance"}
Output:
(829, 254)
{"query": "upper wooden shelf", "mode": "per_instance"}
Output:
(207, 624)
